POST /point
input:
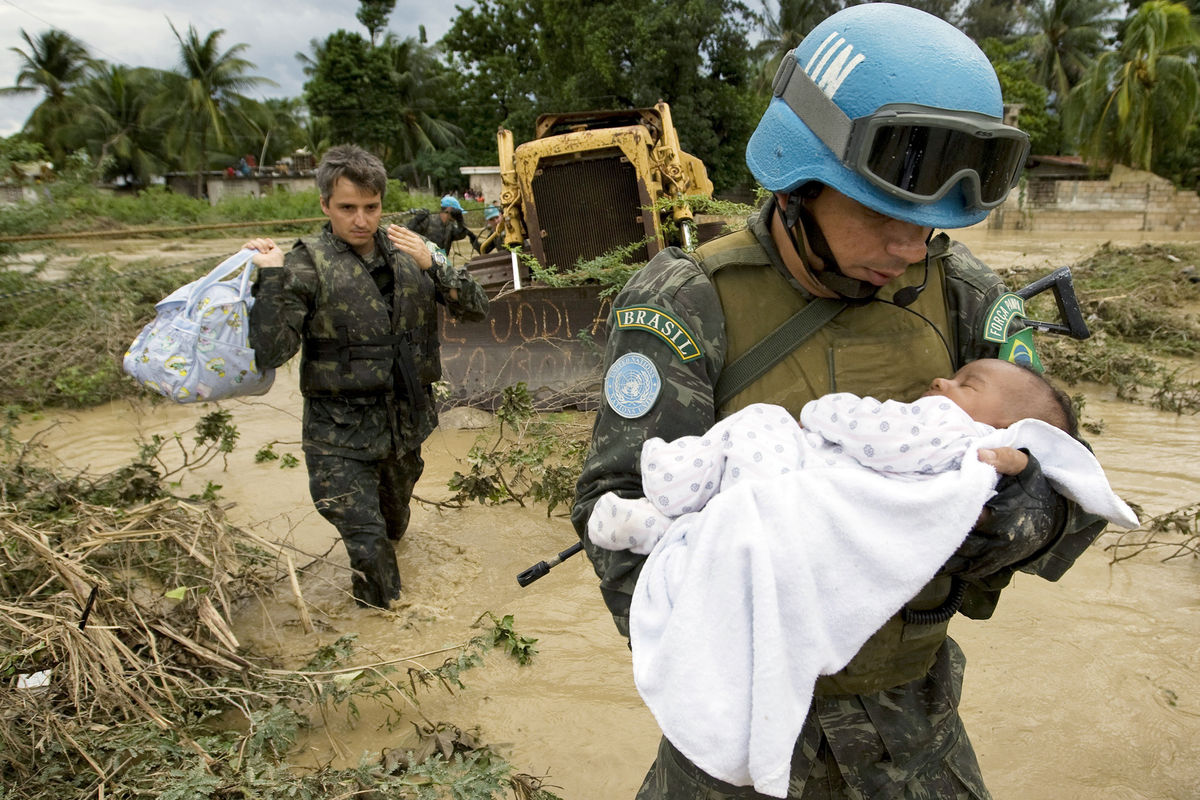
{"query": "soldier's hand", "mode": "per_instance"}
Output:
(1024, 516)
(269, 254)
(408, 242)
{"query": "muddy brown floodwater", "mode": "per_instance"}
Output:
(1086, 688)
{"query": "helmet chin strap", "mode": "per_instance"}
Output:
(831, 277)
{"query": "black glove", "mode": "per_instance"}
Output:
(1024, 517)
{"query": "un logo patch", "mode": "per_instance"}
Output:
(631, 385)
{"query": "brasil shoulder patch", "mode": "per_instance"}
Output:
(662, 324)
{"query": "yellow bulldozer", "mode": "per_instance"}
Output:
(587, 184)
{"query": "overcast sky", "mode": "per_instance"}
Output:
(136, 33)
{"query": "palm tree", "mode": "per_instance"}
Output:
(418, 84)
(121, 120)
(55, 62)
(1133, 103)
(1065, 36)
(211, 85)
(784, 28)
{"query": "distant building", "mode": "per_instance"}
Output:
(485, 181)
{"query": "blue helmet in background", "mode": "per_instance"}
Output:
(895, 109)
(450, 201)
(491, 212)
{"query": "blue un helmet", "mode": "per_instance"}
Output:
(895, 109)
(450, 201)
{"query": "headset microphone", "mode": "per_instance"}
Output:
(909, 294)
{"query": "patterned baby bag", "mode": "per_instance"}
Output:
(197, 348)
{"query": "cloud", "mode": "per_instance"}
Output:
(137, 33)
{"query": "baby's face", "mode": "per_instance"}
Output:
(985, 389)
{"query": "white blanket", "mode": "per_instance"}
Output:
(744, 604)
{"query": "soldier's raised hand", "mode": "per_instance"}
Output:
(409, 242)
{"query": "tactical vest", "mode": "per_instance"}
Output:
(352, 342)
(874, 349)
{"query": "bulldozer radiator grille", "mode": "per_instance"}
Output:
(585, 208)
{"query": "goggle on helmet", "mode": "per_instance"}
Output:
(909, 151)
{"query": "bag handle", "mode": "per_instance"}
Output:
(242, 259)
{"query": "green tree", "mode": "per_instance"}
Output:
(122, 122)
(419, 83)
(209, 85)
(1018, 87)
(275, 128)
(384, 98)
(783, 25)
(1066, 35)
(519, 58)
(991, 19)
(1136, 103)
(54, 63)
(373, 14)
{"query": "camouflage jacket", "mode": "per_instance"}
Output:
(914, 722)
(290, 300)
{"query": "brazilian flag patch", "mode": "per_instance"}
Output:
(663, 325)
(1018, 349)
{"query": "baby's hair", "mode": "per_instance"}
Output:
(1051, 404)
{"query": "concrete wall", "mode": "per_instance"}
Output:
(221, 188)
(1127, 201)
(485, 180)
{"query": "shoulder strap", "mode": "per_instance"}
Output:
(774, 347)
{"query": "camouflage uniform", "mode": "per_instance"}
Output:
(903, 740)
(368, 329)
(431, 226)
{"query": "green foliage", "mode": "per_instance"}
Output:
(267, 453)
(53, 63)
(209, 95)
(537, 459)
(1065, 36)
(519, 58)
(1133, 102)
(379, 96)
(503, 636)
(1018, 85)
(19, 149)
(373, 14)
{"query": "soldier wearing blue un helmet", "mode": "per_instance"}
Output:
(444, 228)
(885, 124)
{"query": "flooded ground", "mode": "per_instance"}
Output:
(1085, 688)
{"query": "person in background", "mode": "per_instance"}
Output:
(444, 228)
(871, 141)
(361, 306)
(492, 234)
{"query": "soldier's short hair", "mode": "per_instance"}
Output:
(350, 161)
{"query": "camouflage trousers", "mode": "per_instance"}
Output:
(368, 503)
(673, 777)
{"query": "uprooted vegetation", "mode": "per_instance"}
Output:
(1142, 305)
(124, 678)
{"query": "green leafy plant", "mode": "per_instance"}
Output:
(530, 457)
